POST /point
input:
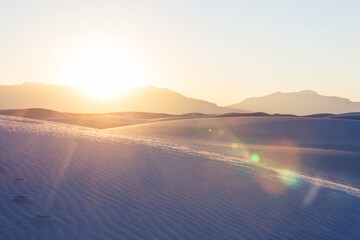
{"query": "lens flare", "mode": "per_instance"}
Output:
(255, 158)
(289, 177)
(246, 157)
(220, 132)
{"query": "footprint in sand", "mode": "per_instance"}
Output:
(21, 199)
(18, 179)
(42, 216)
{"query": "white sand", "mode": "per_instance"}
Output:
(65, 182)
(322, 147)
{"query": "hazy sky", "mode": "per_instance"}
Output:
(222, 51)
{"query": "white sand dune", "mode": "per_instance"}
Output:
(324, 147)
(350, 116)
(100, 122)
(35, 113)
(121, 119)
(306, 132)
(97, 120)
(65, 182)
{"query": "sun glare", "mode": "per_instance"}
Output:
(102, 72)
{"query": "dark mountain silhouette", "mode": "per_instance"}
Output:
(300, 103)
(69, 99)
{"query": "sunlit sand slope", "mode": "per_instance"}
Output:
(318, 146)
(65, 182)
(305, 132)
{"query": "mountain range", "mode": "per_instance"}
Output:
(163, 100)
(299, 103)
(69, 99)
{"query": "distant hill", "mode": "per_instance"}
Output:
(300, 103)
(120, 119)
(98, 120)
(35, 113)
(68, 99)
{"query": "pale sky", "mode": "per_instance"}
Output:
(221, 51)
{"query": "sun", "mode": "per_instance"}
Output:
(102, 72)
